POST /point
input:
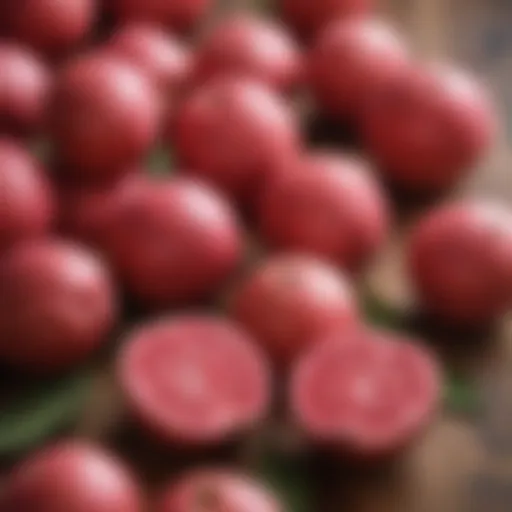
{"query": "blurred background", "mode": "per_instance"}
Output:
(465, 463)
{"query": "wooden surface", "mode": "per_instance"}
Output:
(463, 464)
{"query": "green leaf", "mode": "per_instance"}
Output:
(290, 478)
(462, 396)
(160, 162)
(380, 314)
(37, 411)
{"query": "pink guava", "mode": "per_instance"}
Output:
(460, 260)
(289, 300)
(329, 205)
(71, 476)
(194, 380)
(57, 305)
(365, 394)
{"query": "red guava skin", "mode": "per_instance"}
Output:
(26, 199)
(235, 133)
(176, 241)
(367, 395)
(181, 15)
(289, 300)
(328, 205)
(194, 381)
(26, 83)
(460, 262)
(309, 18)
(52, 27)
(212, 490)
(71, 476)
(104, 117)
(349, 57)
(87, 212)
(59, 306)
(252, 46)
(165, 59)
(427, 128)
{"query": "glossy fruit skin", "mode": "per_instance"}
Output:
(460, 262)
(347, 59)
(309, 18)
(52, 27)
(104, 117)
(427, 128)
(194, 380)
(26, 200)
(26, 85)
(251, 46)
(165, 59)
(176, 241)
(58, 308)
(71, 476)
(365, 394)
(86, 213)
(328, 205)
(213, 488)
(289, 300)
(181, 15)
(235, 133)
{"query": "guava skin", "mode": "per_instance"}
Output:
(104, 117)
(349, 60)
(52, 27)
(164, 58)
(288, 300)
(175, 241)
(26, 86)
(71, 476)
(250, 46)
(328, 205)
(58, 308)
(218, 489)
(235, 133)
(27, 203)
(427, 129)
(180, 15)
(460, 262)
(309, 18)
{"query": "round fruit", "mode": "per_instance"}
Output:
(235, 132)
(176, 241)
(426, 128)
(347, 59)
(461, 261)
(159, 54)
(87, 213)
(104, 117)
(329, 205)
(57, 305)
(71, 476)
(366, 394)
(308, 17)
(26, 202)
(212, 490)
(178, 14)
(250, 46)
(196, 380)
(25, 87)
(51, 26)
(289, 300)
